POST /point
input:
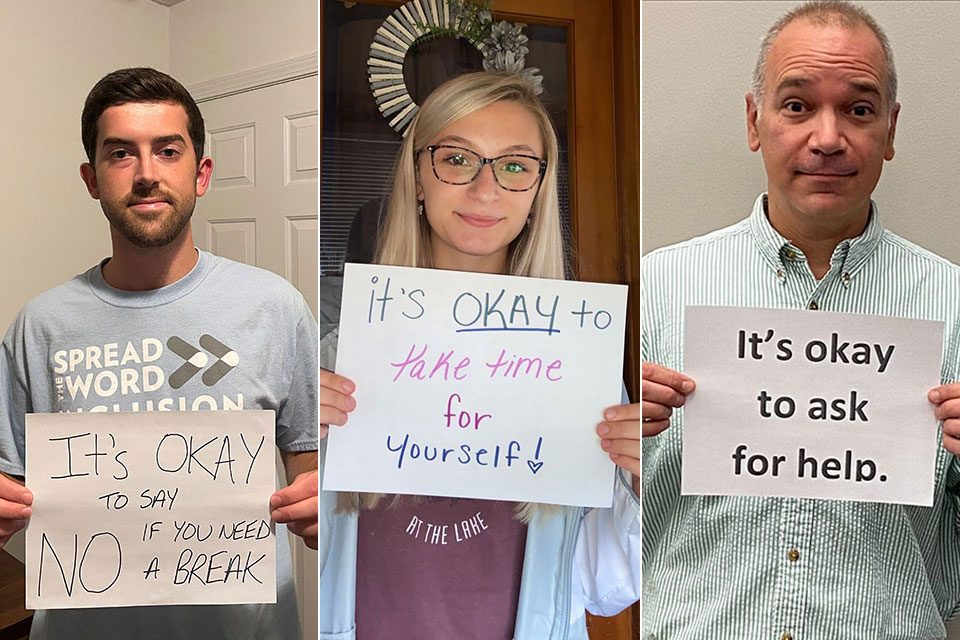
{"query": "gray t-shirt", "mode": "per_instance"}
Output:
(88, 346)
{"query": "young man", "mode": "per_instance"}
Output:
(823, 112)
(143, 136)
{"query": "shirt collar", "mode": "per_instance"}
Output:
(853, 252)
(152, 297)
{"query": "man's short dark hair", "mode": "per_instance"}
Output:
(138, 84)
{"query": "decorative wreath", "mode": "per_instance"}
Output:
(502, 44)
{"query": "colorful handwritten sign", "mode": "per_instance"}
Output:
(475, 385)
(158, 507)
(810, 404)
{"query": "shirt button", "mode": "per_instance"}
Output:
(790, 253)
(787, 636)
(793, 555)
(813, 305)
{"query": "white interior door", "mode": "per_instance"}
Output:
(261, 209)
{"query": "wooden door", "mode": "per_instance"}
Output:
(603, 139)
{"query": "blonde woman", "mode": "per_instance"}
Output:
(475, 189)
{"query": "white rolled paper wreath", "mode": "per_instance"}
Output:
(390, 45)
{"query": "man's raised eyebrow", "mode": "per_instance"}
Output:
(862, 86)
(791, 82)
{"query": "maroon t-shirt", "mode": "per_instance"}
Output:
(438, 568)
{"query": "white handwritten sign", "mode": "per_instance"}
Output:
(810, 404)
(159, 507)
(478, 386)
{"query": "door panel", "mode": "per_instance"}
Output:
(261, 207)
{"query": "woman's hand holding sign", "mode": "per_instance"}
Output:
(336, 400)
(621, 433)
(663, 391)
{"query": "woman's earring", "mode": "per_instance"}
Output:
(420, 207)
(529, 218)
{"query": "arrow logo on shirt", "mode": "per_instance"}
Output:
(535, 466)
(196, 360)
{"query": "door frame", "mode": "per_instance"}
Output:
(256, 78)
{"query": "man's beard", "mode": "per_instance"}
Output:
(151, 230)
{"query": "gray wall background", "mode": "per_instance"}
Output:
(699, 175)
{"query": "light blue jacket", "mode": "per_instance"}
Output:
(576, 558)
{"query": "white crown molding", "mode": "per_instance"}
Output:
(266, 76)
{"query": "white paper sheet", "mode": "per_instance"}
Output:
(810, 404)
(479, 386)
(158, 507)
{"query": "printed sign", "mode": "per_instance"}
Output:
(478, 386)
(158, 507)
(810, 404)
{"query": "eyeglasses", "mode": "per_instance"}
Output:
(513, 171)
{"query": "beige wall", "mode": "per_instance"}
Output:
(215, 38)
(699, 175)
(51, 53)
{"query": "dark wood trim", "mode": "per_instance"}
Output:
(626, 73)
(593, 181)
(384, 3)
(626, 78)
(319, 111)
(606, 231)
(558, 13)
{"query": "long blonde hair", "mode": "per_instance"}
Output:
(405, 238)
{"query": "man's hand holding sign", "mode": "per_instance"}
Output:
(296, 504)
(663, 391)
(15, 511)
(946, 404)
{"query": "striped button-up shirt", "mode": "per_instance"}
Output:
(745, 567)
